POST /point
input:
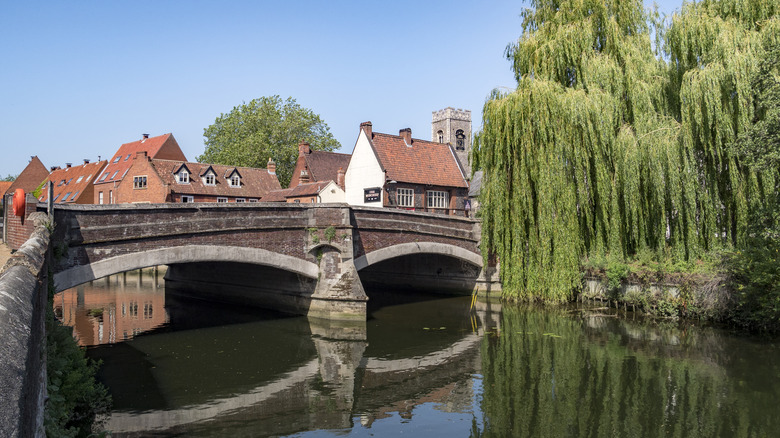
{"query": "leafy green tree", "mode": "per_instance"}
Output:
(611, 147)
(264, 128)
(9, 177)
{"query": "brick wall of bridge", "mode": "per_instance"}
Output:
(18, 229)
(381, 228)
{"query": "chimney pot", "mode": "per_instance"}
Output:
(53, 168)
(68, 164)
(271, 166)
(303, 149)
(406, 133)
(367, 127)
(145, 136)
(86, 161)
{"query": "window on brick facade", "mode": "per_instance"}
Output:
(100, 198)
(183, 177)
(186, 198)
(222, 200)
(139, 182)
(209, 179)
(253, 200)
(405, 197)
(460, 140)
(110, 196)
(240, 200)
(438, 199)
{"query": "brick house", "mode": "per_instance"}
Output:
(16, 230)
(318, 166)
(74, 184)
(162, 147)
(151, 180)
(31, 177)
(308, 192)
(398, 171)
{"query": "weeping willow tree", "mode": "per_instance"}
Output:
(611, 145)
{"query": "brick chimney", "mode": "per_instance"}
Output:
(303, 149)
(367, 127)
(304, 179)
(406, 133)
(271, 166)
(140, 155)
(340, 178)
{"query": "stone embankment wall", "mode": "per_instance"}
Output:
(23, 298)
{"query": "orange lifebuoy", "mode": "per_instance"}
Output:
(19, 202)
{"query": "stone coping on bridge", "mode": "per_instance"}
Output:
(251, 206)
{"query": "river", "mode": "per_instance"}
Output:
(420, 366)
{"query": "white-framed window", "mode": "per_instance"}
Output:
(100, 197)
(110, 196)
(253, 200)
(183, 177)
(240, 200)
(139, 182)
(405, 197)
(235, 180)
(222, 200)
(438, 199)
(187, 198)
(209, 179)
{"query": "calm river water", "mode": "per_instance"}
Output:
(177, 366)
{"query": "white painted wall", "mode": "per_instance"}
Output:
(363, 172)
(332, 193)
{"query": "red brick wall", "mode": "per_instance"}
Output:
(19, 229)
(155, 191)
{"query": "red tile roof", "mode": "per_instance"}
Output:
(422, 162)
(4, 185)
(324, 166)
(121, 161)
(255, 182)
(31, 177)
(70, 182)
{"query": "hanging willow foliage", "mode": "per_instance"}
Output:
(606, 148)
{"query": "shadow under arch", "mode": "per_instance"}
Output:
(405, 249)
(77, 275)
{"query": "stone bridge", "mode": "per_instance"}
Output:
(305, 259)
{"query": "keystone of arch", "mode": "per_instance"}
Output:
(403, 249)
(182, 254)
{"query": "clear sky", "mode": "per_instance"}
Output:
(81, 78)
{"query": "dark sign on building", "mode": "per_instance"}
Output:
(373, 194)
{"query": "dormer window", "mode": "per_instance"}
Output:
(235, 181)
(210, 179)
(183, 177)
(460, 140)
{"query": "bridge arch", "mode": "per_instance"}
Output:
(181, 254)
(404, 249)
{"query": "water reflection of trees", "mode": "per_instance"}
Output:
(551, 374)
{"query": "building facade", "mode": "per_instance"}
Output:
(398, 171)
(453, 126)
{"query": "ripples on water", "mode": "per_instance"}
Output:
(178, 366)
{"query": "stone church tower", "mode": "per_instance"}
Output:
(453, 126)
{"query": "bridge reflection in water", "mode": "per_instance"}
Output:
(210, 367)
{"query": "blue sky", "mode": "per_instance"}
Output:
(81, 78)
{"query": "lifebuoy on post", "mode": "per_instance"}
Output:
(19, 203)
